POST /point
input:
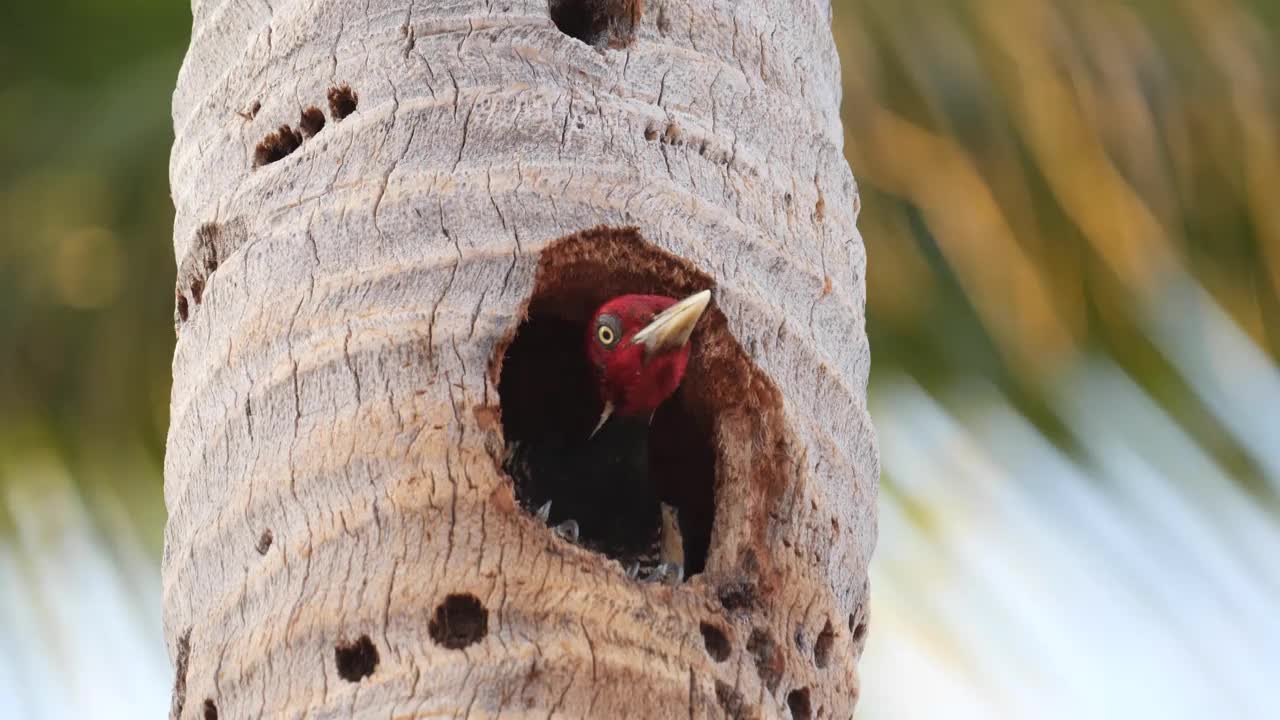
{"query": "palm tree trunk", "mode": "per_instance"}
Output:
(342, 539)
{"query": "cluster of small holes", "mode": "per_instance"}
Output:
(281, 143)
(459, 621)
(798, 702)
(673, 135)
(357, 660)
(716, 642)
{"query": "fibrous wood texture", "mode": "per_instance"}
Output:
(341, 540)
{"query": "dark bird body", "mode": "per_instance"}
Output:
(601, 481)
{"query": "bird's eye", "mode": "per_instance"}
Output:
(608, 331)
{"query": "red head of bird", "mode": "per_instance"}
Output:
(639, 348)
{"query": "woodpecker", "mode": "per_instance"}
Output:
(597, 487)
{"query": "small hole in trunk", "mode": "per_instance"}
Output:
(311, 121)
(276, 146)
(264, 542)
(798, 702)
(715, 641)
(357, 660)
(342, 101)
(859, 631)
(822, 647)
(460, 620)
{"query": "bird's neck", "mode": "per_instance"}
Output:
(627, 424)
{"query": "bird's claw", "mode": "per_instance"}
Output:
(567, 530)
(544, 512)
(669, 573)
(675, 574)
(632, 570)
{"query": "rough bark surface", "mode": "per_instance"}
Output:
(341, 538)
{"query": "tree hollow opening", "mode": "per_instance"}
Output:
(597, 22)
(551, 404)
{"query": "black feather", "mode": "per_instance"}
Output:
(602, 482)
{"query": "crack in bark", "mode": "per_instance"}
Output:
(573, 674)
(466, 127)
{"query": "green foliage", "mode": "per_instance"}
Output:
(1036, 175)
(86, 265)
